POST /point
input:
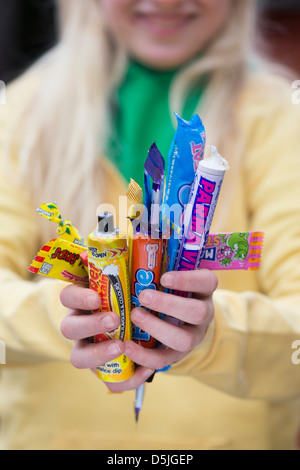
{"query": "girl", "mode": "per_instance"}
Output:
(77, 126)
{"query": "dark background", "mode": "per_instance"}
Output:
(27, 29)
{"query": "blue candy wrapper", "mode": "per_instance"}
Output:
(185, 153)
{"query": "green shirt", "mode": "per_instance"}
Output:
(141, 116)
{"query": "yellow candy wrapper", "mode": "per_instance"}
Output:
(108, 262)
(61, 259)
(66, 230)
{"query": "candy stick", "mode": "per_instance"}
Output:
(185, 153)
(146, 261)
(109, 277)
(198, 216)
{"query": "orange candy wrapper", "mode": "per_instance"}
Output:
(146, 265)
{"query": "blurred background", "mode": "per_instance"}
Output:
(28, 28)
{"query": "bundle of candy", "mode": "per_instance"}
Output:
(169, 230)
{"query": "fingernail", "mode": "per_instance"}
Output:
(167, 280)
(93, 302)
(148, 373)
(146, 297)
(114, 350)
(108, 323)
(138, 315)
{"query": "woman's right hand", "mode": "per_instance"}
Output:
(78, 325)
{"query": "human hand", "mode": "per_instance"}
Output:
(79, 326)
(196, 313)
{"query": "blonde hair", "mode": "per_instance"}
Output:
(65, 122)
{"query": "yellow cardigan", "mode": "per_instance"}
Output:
(237, 390)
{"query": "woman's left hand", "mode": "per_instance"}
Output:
(196, 312)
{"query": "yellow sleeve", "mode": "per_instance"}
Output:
(248, 349)
(30, 310)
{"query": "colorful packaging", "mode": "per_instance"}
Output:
(66, 230)
(108, 264)
(200, 211)
(186, 151)
(233, 251)
(61, 259)
(136, 211)
(155, 169)
(146, 269)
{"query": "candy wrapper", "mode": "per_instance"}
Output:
(233, 251)
(186, 151)
(108, 263)
(61, 260)
(154, 169)
(66, 230)
(200, 210)
(146, 268)
(198, 216)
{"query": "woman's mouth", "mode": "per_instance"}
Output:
(163, 24)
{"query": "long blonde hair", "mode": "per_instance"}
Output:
(64, 124)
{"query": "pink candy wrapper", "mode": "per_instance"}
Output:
(226, 251)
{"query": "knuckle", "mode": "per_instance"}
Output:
(197, 312)
(75, 359)
(211, 314)
(185, 343)
(65, 328)
(161, 363)
(62, 297)
(212, 281)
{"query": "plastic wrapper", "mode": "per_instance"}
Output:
(66, 230)
(108, 264)
(200, 210)
(186, 151)
(234, 250)
(60, 259)
(145, 269)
